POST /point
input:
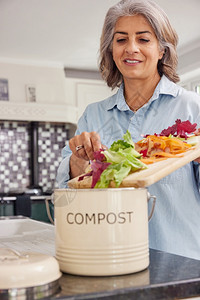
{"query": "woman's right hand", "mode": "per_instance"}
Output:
(89, 142)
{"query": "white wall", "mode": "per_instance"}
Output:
(52, 101)
(49, 82)
(58, 98)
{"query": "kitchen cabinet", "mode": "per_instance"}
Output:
(82, 92)
(51, 104)
(22, 111)
(58, 98)
(38, 211)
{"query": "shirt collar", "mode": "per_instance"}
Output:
(165, 87)
(118, 100)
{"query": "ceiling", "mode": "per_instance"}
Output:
(67, 32)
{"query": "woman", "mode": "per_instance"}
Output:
(138, 55)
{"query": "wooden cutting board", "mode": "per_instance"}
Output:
(152, 174)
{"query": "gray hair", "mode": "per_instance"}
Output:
(157, 18)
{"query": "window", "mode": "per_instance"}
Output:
(197, 89)
(196, 86)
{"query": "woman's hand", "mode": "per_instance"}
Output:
(197, 160)
(83, 145)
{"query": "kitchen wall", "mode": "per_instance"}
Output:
(51, 105)
(60, 100)
(49, 81)
(16, 154)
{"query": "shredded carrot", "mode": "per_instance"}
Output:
(149, 161)
(165, 154)
(155, 148)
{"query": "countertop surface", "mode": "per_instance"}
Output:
(168, 277)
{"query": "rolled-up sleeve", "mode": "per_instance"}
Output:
(64, 168)
(63, 172)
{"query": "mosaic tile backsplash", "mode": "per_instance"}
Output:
(15, 154)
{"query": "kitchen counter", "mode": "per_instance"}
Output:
(168, 277)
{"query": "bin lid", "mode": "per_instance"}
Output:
(26, 269)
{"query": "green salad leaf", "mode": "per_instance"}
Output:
(123, 159)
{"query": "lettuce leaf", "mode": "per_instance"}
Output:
(127, 138)
(115, 163)
(123, 159)
(97, 167)
(115, 172)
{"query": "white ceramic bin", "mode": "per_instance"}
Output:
(101, 232)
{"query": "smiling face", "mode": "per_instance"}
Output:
(136, 49)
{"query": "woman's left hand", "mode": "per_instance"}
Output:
(197, 160)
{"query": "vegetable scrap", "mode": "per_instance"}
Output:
(179, 129)
(125, 157)
(115, 163)
(176, 139)
(156, 148)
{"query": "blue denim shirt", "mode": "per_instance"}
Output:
(175, 225)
